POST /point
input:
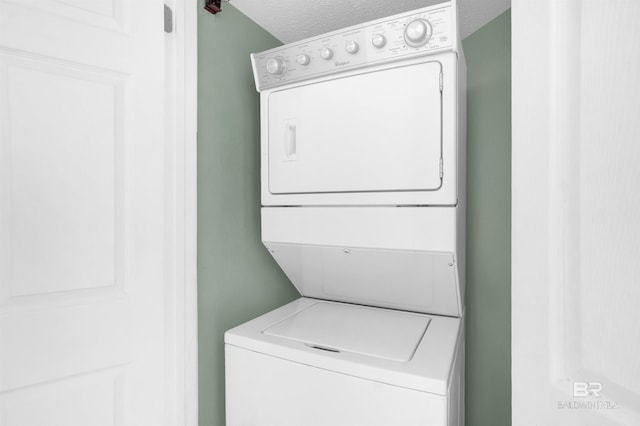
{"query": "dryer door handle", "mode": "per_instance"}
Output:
(290, 141)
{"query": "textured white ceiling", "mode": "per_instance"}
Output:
(293, 20)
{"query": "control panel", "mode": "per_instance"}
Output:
(415, 33)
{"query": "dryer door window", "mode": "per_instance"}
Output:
(378, 131)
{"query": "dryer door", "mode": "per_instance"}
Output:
(378, 131)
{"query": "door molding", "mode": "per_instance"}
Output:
(555, 144)
(182, 95)
(190, 81)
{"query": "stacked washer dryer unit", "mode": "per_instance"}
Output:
(363, 194)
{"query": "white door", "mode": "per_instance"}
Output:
(82, 303)
(576, 210)
(377, 131)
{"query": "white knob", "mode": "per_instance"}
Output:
(276, 66)
(326, 53)
(352, 47)
(378, 40)
(417, 33)
(303, 59)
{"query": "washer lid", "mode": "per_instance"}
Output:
(381, 333)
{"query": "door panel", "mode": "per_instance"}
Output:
(56, 402)
(55, 165)
(82, 230)
(352, 134)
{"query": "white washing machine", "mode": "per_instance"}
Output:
(363, 194)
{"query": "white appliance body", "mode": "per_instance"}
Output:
(384, 135)
(362, 186)
(367, 379)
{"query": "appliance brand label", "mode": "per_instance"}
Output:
(341, 64)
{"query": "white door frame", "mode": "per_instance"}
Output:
(182, 88)
(554, 134)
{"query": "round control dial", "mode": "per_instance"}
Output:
(417, 33)
(276, 66)
(378, 40)
(326, 53)
(351, 47)
(303, 59)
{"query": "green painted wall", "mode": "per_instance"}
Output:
(237, 280)
(488, 350)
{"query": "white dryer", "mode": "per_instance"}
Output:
(362, 185)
